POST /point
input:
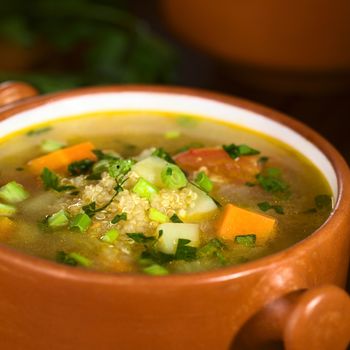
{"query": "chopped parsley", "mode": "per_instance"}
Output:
(265, 206)
(90, 209)
(80, 167)
(323, 202)
(246, 240)
(271, 181)
(103, 155)
(119, 217)
(263, 160)
(213, 248)
(140, 237)
(52, 181)
(72, 259)
(236, 151)
(161, 153)
(176, 219)
(184, 251)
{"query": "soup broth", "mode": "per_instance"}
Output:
(154, 193)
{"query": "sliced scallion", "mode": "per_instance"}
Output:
(110, 236)
(48, 146)
(80, 259)
(13, 192)
(7, 209)
(58, 219)
(144, 189)
(158, 216)
(81, 222)
(156, 270)
(173, 177)
(203, 181)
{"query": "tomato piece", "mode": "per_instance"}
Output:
(219, 163)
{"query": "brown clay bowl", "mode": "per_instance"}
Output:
(293, 297)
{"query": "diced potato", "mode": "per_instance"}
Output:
(150, 169)
(203, 208)
(172, 232)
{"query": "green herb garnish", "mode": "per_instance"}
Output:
(52, 181)
(203, 181)
(236, 151)
(323, 202)
(81, 222)
(144, 189)
(140, 237)
(7, 209)
(174, 218)
(271, 181)
(184, 251)
(13, 192)
(72, 259)
(155, 270)
(119, 217)
(110, 236)
(161, 153)
(265, 206)
(80, 167)
(246, 240)
(58, 219)
(173, 177)
(213, 248)
(263, 160)
(48, 146)
(103, 155)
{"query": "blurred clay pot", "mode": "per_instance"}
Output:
(292, 297)
(290, 45)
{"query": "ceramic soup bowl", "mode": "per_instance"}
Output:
(291, 299)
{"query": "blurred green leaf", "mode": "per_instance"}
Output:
(91, 41)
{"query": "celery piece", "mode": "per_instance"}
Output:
(48, 146)
(203, 181)
(13, 192)
(110, 236)
(58, 219)
(156, 270)
(144, 189)
(81, 222)
(158, 216)
(7, 209)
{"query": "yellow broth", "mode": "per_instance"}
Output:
(129, 133)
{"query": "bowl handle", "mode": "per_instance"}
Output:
(314, 319)
(14, 91)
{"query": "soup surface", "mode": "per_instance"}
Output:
(154, 193)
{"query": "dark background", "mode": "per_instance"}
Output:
(329, 114)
